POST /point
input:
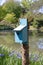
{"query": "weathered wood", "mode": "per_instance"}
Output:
(25, 54)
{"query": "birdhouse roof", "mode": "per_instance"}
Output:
(20, 27)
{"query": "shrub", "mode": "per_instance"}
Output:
(35, 23)
(10, 18)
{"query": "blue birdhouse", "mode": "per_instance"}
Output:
(21, 32)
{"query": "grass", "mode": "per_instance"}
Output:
(7, 59)
(34, 61)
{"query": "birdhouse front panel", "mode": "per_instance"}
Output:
(18, 37)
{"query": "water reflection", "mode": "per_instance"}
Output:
(40, 43)
(35, 41)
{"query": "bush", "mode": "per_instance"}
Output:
(35, 23)
(10, 18)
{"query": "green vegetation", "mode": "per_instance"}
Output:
(10, 18)
(7, 59)
(10, 12)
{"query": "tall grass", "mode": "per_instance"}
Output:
(36, 59)
(7, 59)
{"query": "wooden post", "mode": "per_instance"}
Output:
(25, 54)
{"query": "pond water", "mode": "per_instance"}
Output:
(7, 40)
(36, 42)
(40, 43)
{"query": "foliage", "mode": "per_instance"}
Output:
(36, 59)
(6, 59)
(12, 6)
(2, 13)
(37, 4)
(9, 6)
(11, 10)
(35, 23)
(10, 18)
(32, 6)
(26, 4)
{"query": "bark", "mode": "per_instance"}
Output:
(25, 54)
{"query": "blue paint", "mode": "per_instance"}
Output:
(20, 32)
(23, 21)
(18, 37)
